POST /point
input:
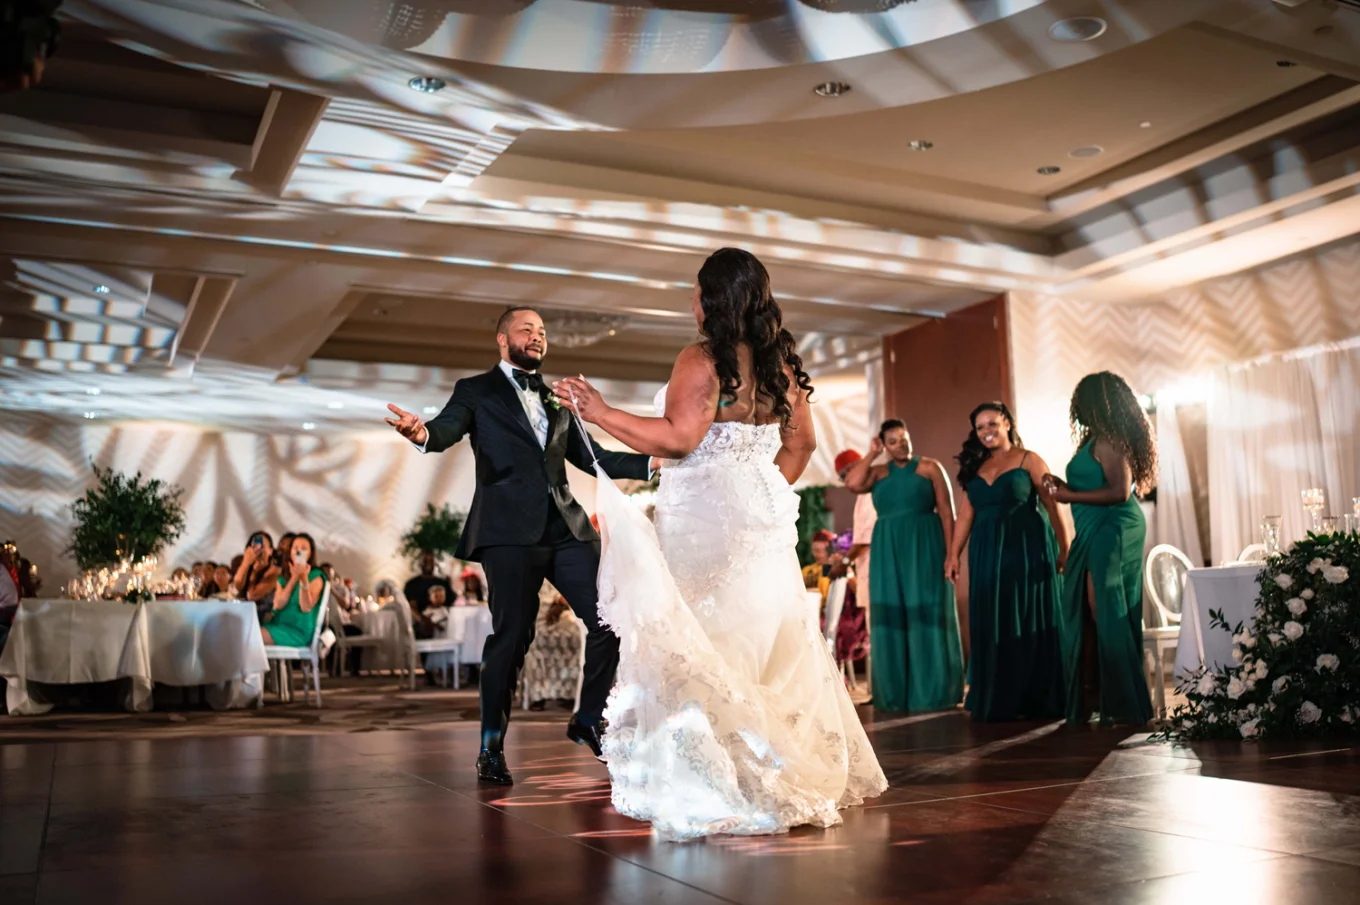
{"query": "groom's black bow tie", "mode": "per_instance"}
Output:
(527, 380)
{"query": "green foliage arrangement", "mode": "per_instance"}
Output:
(437, 530)
(813, 516)
(1297, 667)
(124, 517)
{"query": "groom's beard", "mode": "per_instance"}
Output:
(521, 359)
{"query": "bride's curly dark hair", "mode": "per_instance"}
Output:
(973, 454)
(1105, 408)
(734, 292)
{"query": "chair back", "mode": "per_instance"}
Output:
(323, 607)
(1164, 582)
(835, 602)
(1252, 553)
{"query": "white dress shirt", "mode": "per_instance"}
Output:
(534, 409)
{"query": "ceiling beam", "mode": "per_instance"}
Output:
(289, 120)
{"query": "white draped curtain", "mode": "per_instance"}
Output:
(1277, 426)
(1176, 521)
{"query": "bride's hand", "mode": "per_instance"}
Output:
(577, 394)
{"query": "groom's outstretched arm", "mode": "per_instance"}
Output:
(452, 423)
(618, 465)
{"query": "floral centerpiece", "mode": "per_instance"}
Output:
(437, 530)
(1296, 669)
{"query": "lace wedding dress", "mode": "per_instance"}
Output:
(728, 714)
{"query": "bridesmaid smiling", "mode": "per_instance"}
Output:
(1014, 560)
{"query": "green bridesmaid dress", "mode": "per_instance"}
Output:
(290, 626)
(1016, 662)
(1109, 548)
(913, 626)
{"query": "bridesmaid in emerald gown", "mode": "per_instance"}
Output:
(1103, 597)
(1018, 549)
(917, 661)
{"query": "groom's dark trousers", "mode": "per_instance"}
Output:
(525, 526)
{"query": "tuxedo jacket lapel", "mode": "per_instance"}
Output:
(501, 388)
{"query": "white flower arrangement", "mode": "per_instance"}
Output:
(1295, 670)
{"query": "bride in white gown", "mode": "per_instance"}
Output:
(728, 714)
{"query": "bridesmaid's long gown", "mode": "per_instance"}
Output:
(913, 626)
(1109, 548)
(1016, 665)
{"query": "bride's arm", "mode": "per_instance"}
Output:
(800, 439)
(691, 402)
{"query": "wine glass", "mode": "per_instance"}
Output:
(1329, 524)
(1314, 501)
(1270, 534)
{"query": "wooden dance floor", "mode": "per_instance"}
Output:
(976, 814)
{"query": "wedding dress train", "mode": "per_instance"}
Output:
(728, 713)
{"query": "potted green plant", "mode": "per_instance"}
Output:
(437, 530)
(124, 517)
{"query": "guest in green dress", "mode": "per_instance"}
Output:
(293, 620)
(917, 662)
(1018, 549)
(1103, 596)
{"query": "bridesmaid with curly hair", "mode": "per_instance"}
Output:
(1103, 598)
(1018, 549)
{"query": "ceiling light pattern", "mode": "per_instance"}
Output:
(576, 329)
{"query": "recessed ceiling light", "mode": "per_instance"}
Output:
(91, 415)
(1286, 64)
(1086, 152)
(93, 391)
(920, 144)
(1049, 171)
(1077, 29)
(831, 89)
(308, 426)
(102, 289)
(1145, 125)
(431, 410)
(335, 405)
(427, 84)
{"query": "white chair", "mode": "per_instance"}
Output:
(835, 604)
(414, 647)
(1253, 553)
(281, 657)
(1164, 579)
(344, 643)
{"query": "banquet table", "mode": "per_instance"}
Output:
(1230, 588)
(214, 643)
(470, 624)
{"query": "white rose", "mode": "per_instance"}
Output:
(1306, 593)
(1207, 683)
(1251, 708)
(1248, 729)
(1284, 580)
(1280, 684)
(1258, 612)
(1213, 718)
(1261, 669)
(1250, 684)
(1296, 606)
(1237, 655)
(1275, 637)
(1314, 566)
(1328, 661)
(1187, 724)
(1235, 688)
(1335, 574)
(1293, 631)
(1309, 712)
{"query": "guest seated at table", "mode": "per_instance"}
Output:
(474, 589)
(292, 622)
(199, 573)
(256, 577)
(180, 574)
(427, 622)
(222, 589)
(386, 593)
(29, 582)
(342, 591)
(417, 589)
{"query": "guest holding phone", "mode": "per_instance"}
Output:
(255, 579)
(293, 620)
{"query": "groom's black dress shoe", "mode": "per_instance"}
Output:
(491, 766)
(589, 736)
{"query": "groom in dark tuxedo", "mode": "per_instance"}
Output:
(525, 525)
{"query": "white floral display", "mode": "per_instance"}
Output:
(1295, 670)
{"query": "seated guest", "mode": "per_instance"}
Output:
(256, 577)
(417, 589)
(428, 622)
(292, 621)
(29, 582)
(180, 574)
(342, 592)
(385, 592)
(817, 574)
(236, 563)
(222, 589)
(474, 589)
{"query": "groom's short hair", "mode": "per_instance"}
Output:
(503, 325)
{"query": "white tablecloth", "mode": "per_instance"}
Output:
(175, 642)
(471, 625)
(1231, 589)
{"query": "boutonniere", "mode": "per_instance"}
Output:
(554, 402)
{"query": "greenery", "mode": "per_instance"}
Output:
(813, 516)
(124, 518)
(1297, 667)
(437, 530)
